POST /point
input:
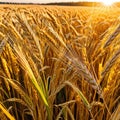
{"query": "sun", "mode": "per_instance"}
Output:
(108, 2)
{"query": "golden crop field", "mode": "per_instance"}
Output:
(59, 63)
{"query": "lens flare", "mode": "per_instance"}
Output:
(108, 2)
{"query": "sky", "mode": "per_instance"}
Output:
(36, 1)
(47, 1)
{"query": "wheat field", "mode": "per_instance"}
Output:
(59, 63)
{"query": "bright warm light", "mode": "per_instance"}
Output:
(108, 2)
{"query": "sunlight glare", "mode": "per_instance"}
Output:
(107, 2)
